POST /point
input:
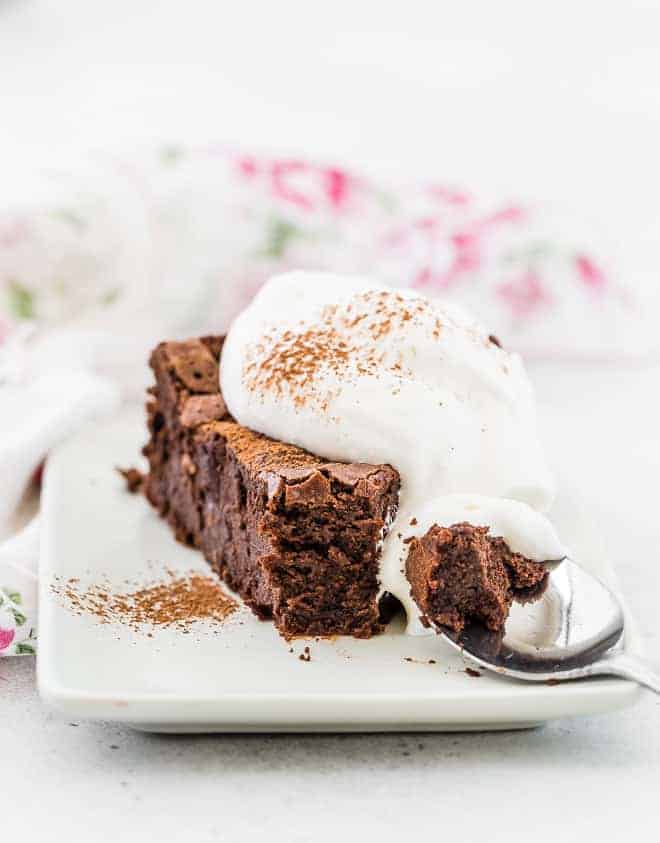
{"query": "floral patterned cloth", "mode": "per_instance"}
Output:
(17, 634)
(18, 558)
(177, 241)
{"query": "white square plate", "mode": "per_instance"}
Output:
(245, 678)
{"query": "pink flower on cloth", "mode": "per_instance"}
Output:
(5, 330)
(454, 242)
(6, 638)
(12, 621)
(283, 183)
(17, 634)
(449, 195)
(299, 183)
(507, 214)
(524, 295)
(12, 232)
(590, 273)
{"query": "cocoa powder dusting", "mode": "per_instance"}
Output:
(342, 342)
(178, 600)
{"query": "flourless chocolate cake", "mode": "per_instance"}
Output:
(297, 536)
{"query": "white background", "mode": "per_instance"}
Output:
(554, 100)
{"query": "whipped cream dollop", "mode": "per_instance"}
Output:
(355, 371)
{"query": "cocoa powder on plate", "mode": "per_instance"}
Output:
(176, 600)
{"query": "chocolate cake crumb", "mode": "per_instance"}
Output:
(495, 340)
(460, 573)
(134, 479)
(471, 672)
(413, 522)
(200, 409)
(306, 655)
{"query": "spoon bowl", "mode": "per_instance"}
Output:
(574, 630)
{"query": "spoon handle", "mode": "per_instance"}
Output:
(630, 667)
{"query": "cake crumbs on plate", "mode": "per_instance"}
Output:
(306, 655)
(411, 660)
(133, 478)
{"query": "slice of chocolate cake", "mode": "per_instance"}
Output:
(298, 537)
(460, 573)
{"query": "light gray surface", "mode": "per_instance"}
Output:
(98, 782)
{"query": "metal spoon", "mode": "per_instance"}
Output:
(575, 629)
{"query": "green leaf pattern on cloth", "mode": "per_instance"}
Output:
(279, 234)
(20, 300)
(16, 636)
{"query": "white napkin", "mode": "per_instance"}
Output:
(47, 393)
